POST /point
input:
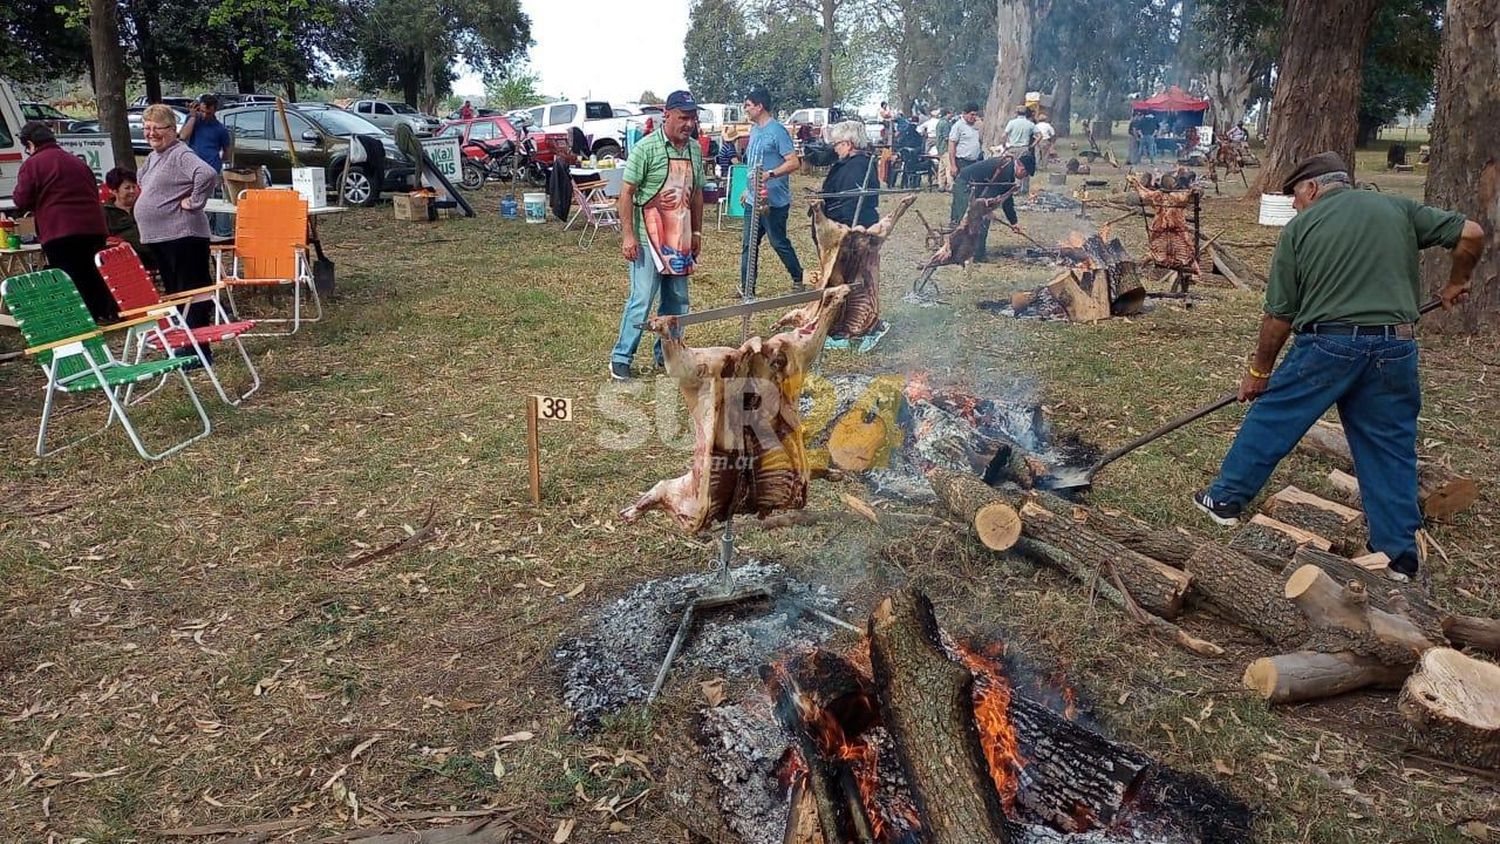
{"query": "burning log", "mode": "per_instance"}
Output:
(849, 256)
(1076, 779)
(926, 702)
(1452, 704)
(1343, 526)
(755, 433)
(1442, 492)
(1159, 588)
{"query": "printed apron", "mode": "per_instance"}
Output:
(668, 218)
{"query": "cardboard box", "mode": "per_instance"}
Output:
(312, 183)
(411, 206)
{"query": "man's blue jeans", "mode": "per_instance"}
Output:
(645, 284)
(1373, 381)
(772, 222)
(1148, 145)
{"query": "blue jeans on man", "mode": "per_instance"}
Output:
(1373, 380)
(646, 284)
(772, 222)
(1148, 147)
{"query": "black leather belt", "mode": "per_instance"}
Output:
(1402, 331)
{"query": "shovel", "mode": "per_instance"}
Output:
(1074, 480)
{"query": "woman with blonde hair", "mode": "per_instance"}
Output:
(175, 187)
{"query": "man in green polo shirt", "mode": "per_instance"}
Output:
(1344, 277)
(661, 204)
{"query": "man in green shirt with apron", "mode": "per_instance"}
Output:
(1344, 278)
(661, 209)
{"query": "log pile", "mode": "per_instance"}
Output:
(1103, 283)
(1442, 492)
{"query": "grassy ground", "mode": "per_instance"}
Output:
(209, 640)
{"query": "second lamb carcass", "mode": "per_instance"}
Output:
(748, 454)
(850, 256)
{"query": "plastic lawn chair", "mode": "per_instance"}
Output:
(270, 250)
(136, 295)
(597, 211)
(70, 347)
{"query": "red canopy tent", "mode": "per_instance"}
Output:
(1172, 99)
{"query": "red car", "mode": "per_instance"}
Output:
(495, 127)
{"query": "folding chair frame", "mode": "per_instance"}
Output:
(171, 310)
(303, 273)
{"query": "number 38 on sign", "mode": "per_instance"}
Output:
(552, 409)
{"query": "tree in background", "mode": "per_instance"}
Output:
(42, 39)
(1465, 171)
(1241, 40)
(1316, 104)
(1400, 63)
(411, 46)
(268, 41)
(519, 90)
(109, 77)
(714, 49)
(1015, 22)
(649, 97)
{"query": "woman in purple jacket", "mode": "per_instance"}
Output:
(175, 186)
(60, 190)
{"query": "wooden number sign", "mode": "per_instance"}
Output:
(553, 409)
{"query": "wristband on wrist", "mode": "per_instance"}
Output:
(1255, 373)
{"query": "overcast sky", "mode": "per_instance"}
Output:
(602, 50)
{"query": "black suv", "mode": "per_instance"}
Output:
(321, 134)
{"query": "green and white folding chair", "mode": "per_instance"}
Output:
(70, 347)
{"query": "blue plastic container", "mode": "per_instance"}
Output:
(509, 208)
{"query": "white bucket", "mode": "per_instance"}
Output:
(1276, 210)
(536, 207)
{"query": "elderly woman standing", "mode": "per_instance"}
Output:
(852, 172)
(59, 189)
(175, 186)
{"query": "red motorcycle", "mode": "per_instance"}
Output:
(505, 160)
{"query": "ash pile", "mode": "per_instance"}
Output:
(1048, 201)
(615, 662)
(892, 429)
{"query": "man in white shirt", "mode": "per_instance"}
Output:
(929, 130)
(964, 146)
(1019, 132)
(1045, 137)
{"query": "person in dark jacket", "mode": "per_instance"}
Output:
(909, 148)
(852, 172)
(119, 212)
(57, 187)
(989, 178)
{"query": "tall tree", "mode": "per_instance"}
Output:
(42, 39)
(1465, 171)
(109, 76)
(714, 49)
(412, 45)
(1015, 21)
(1400, 63)
(1316, 102)
(518, 90)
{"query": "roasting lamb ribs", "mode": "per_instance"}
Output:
(748, 454)
(849, 255)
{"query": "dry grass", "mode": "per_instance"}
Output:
(199, 642)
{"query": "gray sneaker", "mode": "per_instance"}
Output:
(620, 371)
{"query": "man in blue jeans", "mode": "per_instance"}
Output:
(771, 149)
(661, 209)
(1344, 277)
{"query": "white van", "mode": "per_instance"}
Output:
(719, 115)
(10, 145)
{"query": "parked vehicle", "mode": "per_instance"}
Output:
(817, 118)
(493, 128)
(175, 102)
(50, 115)
(605, 131)
(713, 117)
(322, 134)
(503, 160)
(10, 145)
(388, 115)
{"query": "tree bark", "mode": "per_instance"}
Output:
(141, 14)
(1188, 48)
(1467, 631)
(926, 702)
(1465, 171)
(1316, 102)
(826, 91)
(1013, 27)
(1341, 525)
(1310, 675)
(109, 77)
(1441, 492)
(1343, 620)
(1069, 766)
(1452, 703)
(1061, 115)
(1247, 593)
(1264, 536)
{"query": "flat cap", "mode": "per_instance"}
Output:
(1312, 167)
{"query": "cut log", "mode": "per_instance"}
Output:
(1343, 526)
(802, 825)
(1277, 538)
(1310, 675)
(1441, 492)
(1467, 631)
(1075, 779)
(1247, 593)
(1346, 484)
(1081, 305)
(864, 436)
(1173, 546)
(926, 702)
(1237, 271)
(997, 525)
(1382, 591)
(1452, 704)
(1159, 588)
(1343, 620)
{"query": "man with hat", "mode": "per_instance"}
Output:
(1344, 278)
(661, 207)
(212, 141)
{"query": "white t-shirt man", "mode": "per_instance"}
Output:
(965, 139)
(1044, 131)
(1018, 132)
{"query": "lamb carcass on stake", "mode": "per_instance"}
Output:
(748, 454)
(850, 256)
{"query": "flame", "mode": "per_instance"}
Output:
(997, 736)
(919, 386)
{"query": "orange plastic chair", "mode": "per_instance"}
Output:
(270, 250)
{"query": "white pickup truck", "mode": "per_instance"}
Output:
(605, 131)
(10, 145)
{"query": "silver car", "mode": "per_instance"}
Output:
(388, 115)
